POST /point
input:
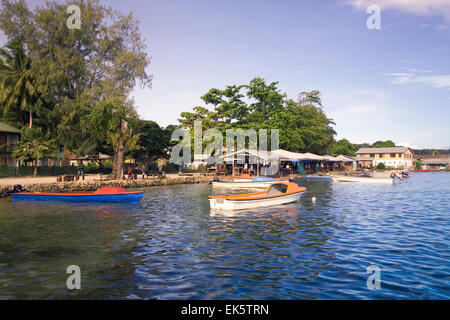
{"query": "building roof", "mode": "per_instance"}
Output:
(7, 128)
(383, 150)
(436, 161)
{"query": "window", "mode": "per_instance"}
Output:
(372, 155)
(381, 155)
(392, 155)
(399, 155)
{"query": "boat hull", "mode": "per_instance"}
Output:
(122, 197)
(362, 179)
(316, 177)
(231, 205)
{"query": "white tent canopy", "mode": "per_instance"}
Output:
(259, 154)
(345, 158)
(332, 159)
(280, 154)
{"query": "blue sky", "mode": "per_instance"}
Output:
(392, 83)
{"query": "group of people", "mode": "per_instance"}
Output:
(133, 170)
(80, 170)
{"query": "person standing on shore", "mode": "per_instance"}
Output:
(80, 170)
(101, 169)
(130, 172)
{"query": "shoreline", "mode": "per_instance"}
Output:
(93, 185)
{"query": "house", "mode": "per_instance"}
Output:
(431, 162)
(9, 138)
(393, 157)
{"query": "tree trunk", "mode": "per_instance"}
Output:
(31, 118)
(35, 169)
(66, 157)
(119, 153)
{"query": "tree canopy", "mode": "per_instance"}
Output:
(303, 125)
(82, 77)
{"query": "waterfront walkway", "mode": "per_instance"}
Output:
(92, 183)
(87, 177)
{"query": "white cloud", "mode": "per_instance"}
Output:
(436, 81)
(399, 74)
(417, 7)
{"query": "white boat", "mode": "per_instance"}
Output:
(361, 179)
(242, 178)
(255, 183)
(277, 193)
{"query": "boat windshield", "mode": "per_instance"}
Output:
(278, 188)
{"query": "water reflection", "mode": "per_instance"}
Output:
(171, 246)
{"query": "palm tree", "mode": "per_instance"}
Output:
(17, 91)
(33, 146)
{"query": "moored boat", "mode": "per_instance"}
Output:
(277, 193)
(361, 179)
(258, 183)
(319, 177)
(243, 177)
(105, 194)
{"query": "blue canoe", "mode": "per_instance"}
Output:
(105, 194)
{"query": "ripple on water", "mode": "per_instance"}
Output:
(171, 246)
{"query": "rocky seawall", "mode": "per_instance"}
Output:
(84, 186)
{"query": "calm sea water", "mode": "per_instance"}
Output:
(170, 246)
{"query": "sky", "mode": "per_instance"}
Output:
(376, 84)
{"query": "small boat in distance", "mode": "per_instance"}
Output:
(361, 179)
(277, 193)
(105, 194)
(318, 177)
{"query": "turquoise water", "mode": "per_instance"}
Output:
(170, 246)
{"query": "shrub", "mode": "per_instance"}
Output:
(92, 167)
(381, 166)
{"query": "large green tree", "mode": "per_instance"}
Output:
(99, 63)
(383, 144)
(344, 147)
(154, 141)
(303, 124)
